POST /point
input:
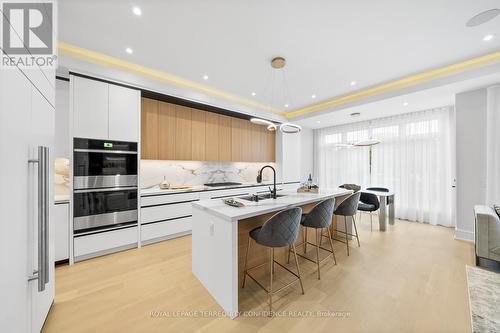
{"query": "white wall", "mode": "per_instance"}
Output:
(471, 110)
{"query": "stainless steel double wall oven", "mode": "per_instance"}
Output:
(105, 189)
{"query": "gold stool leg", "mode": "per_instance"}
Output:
(356, 229)
(371, 221)
(305, 239)
(270, 293)
(288, 259)
(298, 269)
(246, 260)
(317, 253)
(346, 238)
(331, 245)
(273, 266)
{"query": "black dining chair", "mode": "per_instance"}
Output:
(280, 230)
(319, 219)
(368, 202)
(379, 189)
(348, 207)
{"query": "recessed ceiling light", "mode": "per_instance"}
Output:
(129, 50)
(313, 96)
(483, 17)
(205, 77)
(286, 105)
(488, 37)
(137, 11)
(353, 83)
(318, 122)
(253, 94)
(405, 104)
(355, 114)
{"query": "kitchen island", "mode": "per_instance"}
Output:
(220, 234)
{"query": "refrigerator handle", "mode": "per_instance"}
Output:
(46, 205)
(42, 214)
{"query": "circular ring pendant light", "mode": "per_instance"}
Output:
(290, 128)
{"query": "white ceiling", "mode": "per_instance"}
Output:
(327, 43)
(421, 100)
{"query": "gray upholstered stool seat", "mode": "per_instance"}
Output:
(281, 230)
(320, 219)
(348, 207)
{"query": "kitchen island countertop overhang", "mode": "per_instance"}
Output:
(219, 231)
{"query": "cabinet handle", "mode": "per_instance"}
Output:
(42, 274)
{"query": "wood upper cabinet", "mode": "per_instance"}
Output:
(224, 141)
(237, 145)
(198, 138)
(174, 132)
(211, 136)
(183, 131)
(167, 125)
(149, 129)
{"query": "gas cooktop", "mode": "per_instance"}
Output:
(222, 184)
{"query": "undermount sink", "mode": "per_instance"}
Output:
(260, 197)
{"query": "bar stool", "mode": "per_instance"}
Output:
(281, 230)
(348, 207)
(319, 218)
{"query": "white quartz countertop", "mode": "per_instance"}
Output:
(290, 199)
(156, 190)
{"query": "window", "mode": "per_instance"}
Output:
(385, 132)
(422, 127)
(333, 138)
(356, 136)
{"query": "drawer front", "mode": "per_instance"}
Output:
(104, 241)
(165, 229)
(168, 198)
(164, 212)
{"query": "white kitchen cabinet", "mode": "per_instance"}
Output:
(155, 232)
(100, 243)
(165, 212)
(61, 228)
(104, 111)
(90, 108)
(124, 113)
(165, 216)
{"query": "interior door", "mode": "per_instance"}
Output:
(42, 135)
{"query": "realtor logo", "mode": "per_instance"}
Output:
(28, 34)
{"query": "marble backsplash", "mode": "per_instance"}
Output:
(198, 173)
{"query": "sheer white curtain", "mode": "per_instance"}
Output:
(335, 165)
(413, 159)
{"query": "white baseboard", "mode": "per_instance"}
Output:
(464, 235)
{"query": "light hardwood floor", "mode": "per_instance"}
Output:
(408, 279)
